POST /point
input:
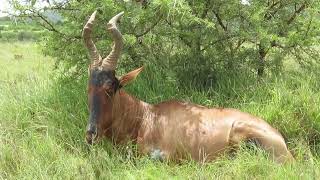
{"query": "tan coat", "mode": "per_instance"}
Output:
(180, 130)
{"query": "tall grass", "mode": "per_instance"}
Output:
(42, 122)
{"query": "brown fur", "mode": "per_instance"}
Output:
(182, 129)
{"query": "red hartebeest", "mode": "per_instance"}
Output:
(168, 130)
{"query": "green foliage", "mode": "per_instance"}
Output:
(199, 40)
(43, 120)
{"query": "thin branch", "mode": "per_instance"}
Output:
(52, 28)
(278, 45)
(274, 4)
(206, 9)
(220, 21)
(308, 28)
(239, 43)
(47, 24)
(296, 12)
(63, 6)
(149, 28)
(63, 9)
(268, 16)
(216, 41)
(185, 41)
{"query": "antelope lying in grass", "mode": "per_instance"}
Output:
(168, 130)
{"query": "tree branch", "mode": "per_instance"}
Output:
(220, 21)
(268, 16)
(51, 27)
(206, 9)
(296, 12)
(185, 41)
(149, 28)
(47, 24)
(216, 41)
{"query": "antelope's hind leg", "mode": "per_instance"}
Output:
(268, 139)
(276, 147)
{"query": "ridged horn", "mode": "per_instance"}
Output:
(110, 62)
(86, 34)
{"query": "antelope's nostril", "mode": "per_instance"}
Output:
(89, 140)
(92, 132)
(90, 137)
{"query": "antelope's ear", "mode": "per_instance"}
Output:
(125, 79)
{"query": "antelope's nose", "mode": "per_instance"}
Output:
(91, 135)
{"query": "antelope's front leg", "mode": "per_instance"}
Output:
(149, 146)
(154, 152)
(158, 154)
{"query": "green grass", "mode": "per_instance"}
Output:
(43, 118)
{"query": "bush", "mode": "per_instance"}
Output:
(200, 39)
(8, 36)
(25, 36)
(21, 35)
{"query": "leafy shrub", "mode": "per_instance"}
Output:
(21, 35)
(8, 36)
(25, 36)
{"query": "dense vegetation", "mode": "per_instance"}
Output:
(261, 58)
(199, 37)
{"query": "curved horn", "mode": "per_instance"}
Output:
(110, 62)
(86, 34)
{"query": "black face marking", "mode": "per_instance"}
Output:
(95, 105)
(98, 78)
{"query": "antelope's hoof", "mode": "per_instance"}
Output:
(157, 154)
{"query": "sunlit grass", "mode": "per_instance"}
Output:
(42, 122)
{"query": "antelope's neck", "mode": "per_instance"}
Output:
(127, 116)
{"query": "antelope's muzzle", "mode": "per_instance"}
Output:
(91, 135)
